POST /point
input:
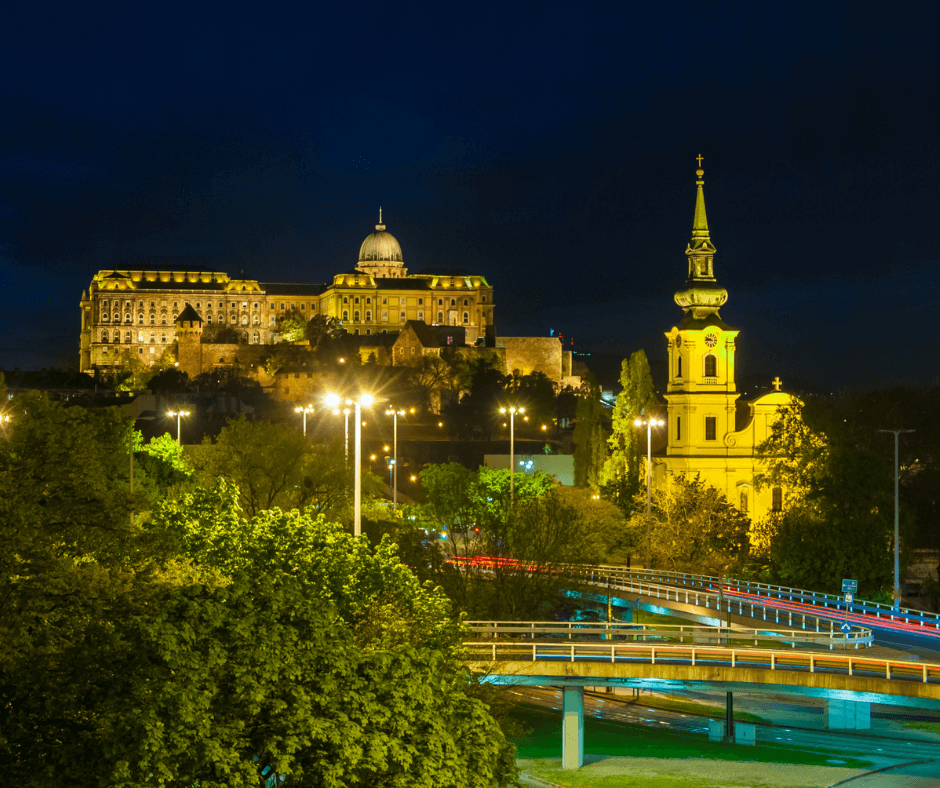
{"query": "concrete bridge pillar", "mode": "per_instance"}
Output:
(572, 728)
(848, 715)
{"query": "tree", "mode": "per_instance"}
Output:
(430, 375)
(475, 413)
(272, 465)
(292, 325)
(321, 329)
(133, 374)
(693, 528)
(536, 393)
(590, 450)
(838, 508)
(636, 399)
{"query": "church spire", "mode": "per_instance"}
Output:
(701, 296)
(380, 226)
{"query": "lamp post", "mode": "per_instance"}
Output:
(512, 411)
(346, 432)
(179, 415)
(897, 580)
(305, 410)
(649, 423)
(394, 480)
(333, 400)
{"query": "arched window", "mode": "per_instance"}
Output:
(679, 367)
(368, 331)
(140, 318)
(453, 302)
(256, 338)
(163, 318)
(466, 317)
(345, 316)
(153, 318)
(440, 317)
(744, 500)
(163, 336)
(153, 337)
(153, 304)
(776, 504)
(245, 337)
(104, 317)
(221, 318)
(368, 300)
(256, 320)
(209, 318)
(356, 332)
(175, 315)
(440, 302)
(127, 337)
(711, 366)
(127, 318)
(368, 315)
(244, 320)
(356, 300)
(466, 302)
(356, 315)
(104, 335)
(140, 336)
(345, 299)
(234, 320)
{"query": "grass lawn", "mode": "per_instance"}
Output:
(639, 741)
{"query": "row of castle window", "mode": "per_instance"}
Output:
(402, 316)
(402, 301)
(141, 337)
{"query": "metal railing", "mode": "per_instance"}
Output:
(703, 597)
(828, 606)
(749, 658)
(509, 631)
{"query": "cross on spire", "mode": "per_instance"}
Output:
(380, 214)
(777, 383)
(699, 159)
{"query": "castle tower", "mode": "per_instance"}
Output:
(189, 340)
(701, 390)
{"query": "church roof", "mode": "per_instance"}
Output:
(427, 336)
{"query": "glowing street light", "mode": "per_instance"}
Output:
(179, 415)
(333, 401)
(305, 410)
(649, 423)
(395, 414)
(512, 447)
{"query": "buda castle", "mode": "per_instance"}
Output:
(139, 310)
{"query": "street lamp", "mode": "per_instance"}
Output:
(305, 410)
(179, 415)
(649, 424)
(333, 400)
(512, 446)
(395, 414)
(897, 580)
(346, 431)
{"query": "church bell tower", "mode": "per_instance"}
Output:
(701, 392)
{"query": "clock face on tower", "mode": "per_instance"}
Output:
(711, 340)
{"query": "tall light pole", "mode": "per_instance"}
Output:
(346, 433)
(649, 423)
(395, 414)
(305, 410)
(512, 411)
(897, 579)
(179, 415)
(333, 400)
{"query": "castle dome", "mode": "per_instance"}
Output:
(380, 246)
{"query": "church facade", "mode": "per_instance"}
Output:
(137, 311)
(710, 432)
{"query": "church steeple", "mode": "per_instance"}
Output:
(701, 296)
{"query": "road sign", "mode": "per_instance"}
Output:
(849, 598)
(849, 586)
(846, 627)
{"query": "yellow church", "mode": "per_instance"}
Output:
(710, 432)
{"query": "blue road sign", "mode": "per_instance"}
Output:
(846, 627)
(849, 586)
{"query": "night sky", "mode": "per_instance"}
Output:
(548, 146)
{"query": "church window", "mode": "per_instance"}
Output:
(711, 366)
(466, 317)
(711, 428)
(440, 317)
(678, 428)
(776, 504)
(345, 315)
(368, 315)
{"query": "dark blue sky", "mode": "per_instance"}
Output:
(548, 146)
